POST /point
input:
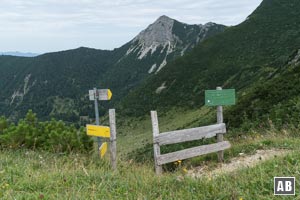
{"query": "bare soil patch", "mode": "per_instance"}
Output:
(242, 161)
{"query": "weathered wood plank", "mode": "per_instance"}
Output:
(113, 138)
(189, 134)
(220, 136)
(192, 152)
(156, 147)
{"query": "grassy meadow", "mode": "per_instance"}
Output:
(38, 174)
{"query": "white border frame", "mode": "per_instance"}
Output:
(285, 194)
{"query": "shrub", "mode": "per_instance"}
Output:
(52, 135)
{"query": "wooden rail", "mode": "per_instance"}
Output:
(186, 135)
(192, 152)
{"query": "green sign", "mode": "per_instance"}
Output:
(220, 97)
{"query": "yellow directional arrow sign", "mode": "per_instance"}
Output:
(109, 94)
(100, 94)
(103, 149)
(104, 94)
(98, 131)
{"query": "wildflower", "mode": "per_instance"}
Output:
(179, 163)
(4, 185)
(185, 170)
(209, 177)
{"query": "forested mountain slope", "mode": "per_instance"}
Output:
(57, 84)
(257, 50)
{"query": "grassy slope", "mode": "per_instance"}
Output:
(28, 175)
(276, 99)
(138, 133)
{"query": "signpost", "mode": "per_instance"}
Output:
(99, 131)
(220, 98)
(106, 132)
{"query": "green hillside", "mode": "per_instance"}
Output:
(56, 84)
(276, 101)
(50, 81)
(256, 50)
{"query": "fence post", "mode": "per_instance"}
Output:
(113, 139)
(220, 135)
(156, 147)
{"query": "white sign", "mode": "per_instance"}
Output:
(101, 94)
(91, 95)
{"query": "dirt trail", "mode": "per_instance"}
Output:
(243, 161)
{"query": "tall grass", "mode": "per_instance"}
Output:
(28, 174)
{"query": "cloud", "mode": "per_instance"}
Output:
(99, 19)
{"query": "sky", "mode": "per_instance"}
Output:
(41, 26)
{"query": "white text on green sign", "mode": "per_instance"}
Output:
(220, 97)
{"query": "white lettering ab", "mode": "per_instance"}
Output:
(288, 186)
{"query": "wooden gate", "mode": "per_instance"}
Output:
(185, 135)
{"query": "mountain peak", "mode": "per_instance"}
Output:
(169, 37)
(159, 32)
(163, 18)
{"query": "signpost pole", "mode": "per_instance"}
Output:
(97, 115)
(220, 135)
(96, 130)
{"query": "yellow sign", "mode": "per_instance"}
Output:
(98, 131)
(103, 149)
(109, 94)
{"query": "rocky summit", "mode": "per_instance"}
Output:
(171, 38)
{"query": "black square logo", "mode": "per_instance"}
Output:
(284, 185)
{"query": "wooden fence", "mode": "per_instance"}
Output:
(185, 135)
